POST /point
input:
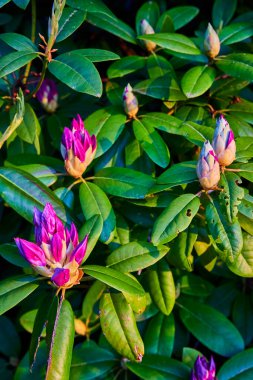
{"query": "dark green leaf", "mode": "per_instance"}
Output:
(239, 367)
(10, 253)
(13, 61)
(242, 316)
(243, 264)
(92, 227)
(195, 285)
(231, 195)
(197, 81)
(9, 338)
(221, 13)
(21, 3)
(150, 12)
(70, 20)
(126, 65)
(235, 32)
(180, 254)
(97, 55)
(238, 65)
(158, 66)
(182, 15)
(18, 41)
(92, 296)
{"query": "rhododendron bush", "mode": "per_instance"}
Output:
(126, 197)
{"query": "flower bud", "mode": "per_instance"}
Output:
(130, 101)
(48, 95)
(146, 28)
(208, 168)
(211, 42)
(78, 148)
(224, 142)
(203, 370)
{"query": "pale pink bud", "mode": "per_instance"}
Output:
(211, 42)
(146, 28)
(224, 142)
(208, 169)
(130, 101)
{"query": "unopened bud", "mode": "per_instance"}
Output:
(130, 101)
(224, 142)
(146, 28)
(211, 42)
(48, 95)
(208, 168)
(80, 327)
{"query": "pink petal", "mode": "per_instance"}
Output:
(31, 252)
(56, 247)
(73, 234)
(61, 276)
(79, 252)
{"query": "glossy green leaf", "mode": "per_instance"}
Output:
(231, 195)
(107, 125)
(10, 253)
(182, 15)
(96, 6)
(173, 42)
(159, 335)
(190, 356)
(226, 237)
(243, 264)
(97, 55)
(23, 369)
(159, 367)
(148, 11)
(158, 66)
(29, 127)
(14, 289)
(152, 143)
(134, 256)
(13, 61)
(92, 227)
(179, 174)
(91, 297)
(221, 13)
(21, 3)
(175, 218)
(70, 20)
(210, 327)
(18, 41)
(165, 24)
(246, 170)
(123, 182)
(195, 285)
(113, 278)
(242, 316)
(77, 72)
(235, 32)
(239, 367)
(58, 367)
(162, 287)
(95, 202)
(90, 361)
(238, 65)
(126, 65)
(119, 326)
(197, 80)
(180, 254)
(27, 320)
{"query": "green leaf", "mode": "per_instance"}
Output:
(246, 170)
(148, 11)
(70, 21)
(126, 65)
(117, 280)
(134, 256)
(9, 338)
(92, 227)
(112, 25)
(178, 174)
(106, 124)
(159, 335)
(59, 361)
(227, 237)
(235, 32)
(180, 254)
(96, 6)
(243, 264)
(190, 356)
(232, 194)
(119, 326)
(238, 65)
(175, 218)
(90, 361)
(197, 80)
(77, 72)
(194, 285)
(27, 320)
(152, 143)
(18, 41)
(159, 367)
(173, 42)
(123, 182)
(239, 367)
(242, 316)
(21, 3)
(13, 61)
(95, 202)
(182, 15)
(210, 327)
(158, 66)
(221, 13)
(162, 287)
(22, 192)
(10, 253)
(29, 127)
(14, 289)
(97, 55)
(91, 297)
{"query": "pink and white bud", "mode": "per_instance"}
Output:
(78, 148)
(146, 28)
(48, 95)
(208, 168)
(57, 253)
(130, 101)
(224, 142)
(211, 42)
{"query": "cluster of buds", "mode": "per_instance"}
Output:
(48, 95)
(220, 153)
(130, 101)
(78, 148)
(146, 28)
(203, 370)
(211, 42)
(57, 253)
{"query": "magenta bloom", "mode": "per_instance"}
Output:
(57, 252)
(224, 142)
(203, 370)
(48, 95)
(208, 168)
(78, 148)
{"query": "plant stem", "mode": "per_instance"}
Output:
(33, 31)
(34, 92)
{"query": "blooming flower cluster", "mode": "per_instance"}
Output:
(203, 370)
(57, 253)
(78, 148)
(48, 95)
(221, 152)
